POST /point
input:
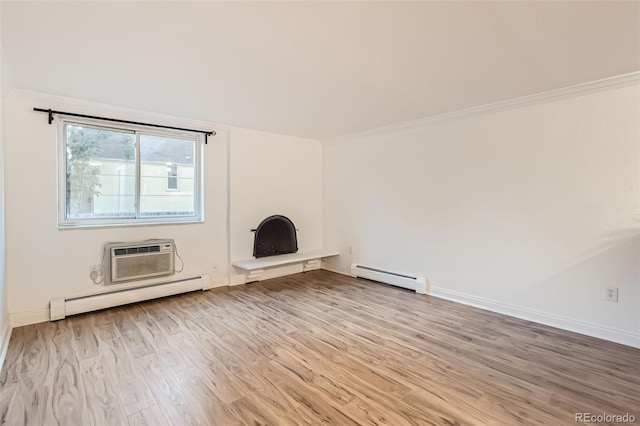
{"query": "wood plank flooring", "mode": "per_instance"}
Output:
(308, 349)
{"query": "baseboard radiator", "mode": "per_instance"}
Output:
(418, 284)
(64, 307)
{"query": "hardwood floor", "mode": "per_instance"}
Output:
(307, 349)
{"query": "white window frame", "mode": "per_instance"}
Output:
(198, 192)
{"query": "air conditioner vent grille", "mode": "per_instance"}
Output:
(138, 267)
(136, 250)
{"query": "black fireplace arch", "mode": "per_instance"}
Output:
(275, 235)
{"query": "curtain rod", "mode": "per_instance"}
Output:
(206, 133)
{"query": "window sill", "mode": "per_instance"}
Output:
(71, 226)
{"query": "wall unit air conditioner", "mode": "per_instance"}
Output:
(139, 260)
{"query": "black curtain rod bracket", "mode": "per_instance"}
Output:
(51, 112)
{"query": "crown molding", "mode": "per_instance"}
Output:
(609, 83)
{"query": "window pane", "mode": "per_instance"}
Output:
(172, 177)
(101, 173)
(167, 176)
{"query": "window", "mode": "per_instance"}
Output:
(172, 177)
(128, 175)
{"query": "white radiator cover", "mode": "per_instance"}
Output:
(63, 307)
(417, 284)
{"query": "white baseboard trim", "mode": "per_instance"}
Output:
(28, 318)
(330, 268)
(4, 340)
(219, 282)
(237, 280)
(564, 323)
(557, 321)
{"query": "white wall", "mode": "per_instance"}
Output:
(270, 174)
(531, 210)
(274, 174)
(4, 315)
(44, 262)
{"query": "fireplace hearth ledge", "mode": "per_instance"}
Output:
(255, 267)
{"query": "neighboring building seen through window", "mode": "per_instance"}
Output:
(172, 177)
(129, 175)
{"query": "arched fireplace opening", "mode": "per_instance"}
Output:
(275, 235)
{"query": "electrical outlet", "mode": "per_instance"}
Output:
(96, 272)
(214, 267)
(350, 250)
(612, 294)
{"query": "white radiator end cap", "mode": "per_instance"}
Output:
(421, 285)
(56, 309)
(353, 270)
(206, 281)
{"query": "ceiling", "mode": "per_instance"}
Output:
(313, 69)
